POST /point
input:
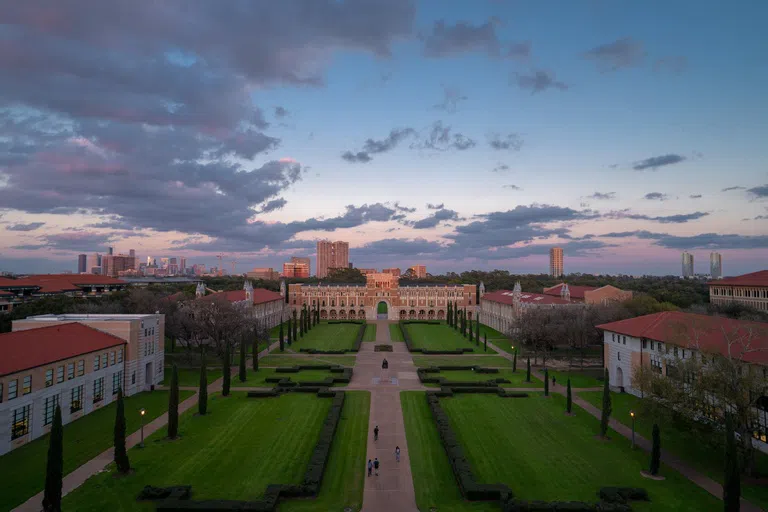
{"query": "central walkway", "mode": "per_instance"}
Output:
(392, 490)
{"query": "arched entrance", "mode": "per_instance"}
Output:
(382, 310)
(620, 378)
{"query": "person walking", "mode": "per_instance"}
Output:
(376, 433)
(376, 465)
(554, 380)
(370, 467)
(397, 453)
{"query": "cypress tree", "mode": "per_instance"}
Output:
(546, 382)
(568, 398)
(173, 404)
(121, 455)
(655, 451)
(282, 343)
(295, 327)
(226, 370)
(606, 406)
(449, 316)
(732, 477)
(528, 371)
(514, 361)
(241, 373)
(202, 400)
(471, 332)
(290, 331)
(485, 342)
(255, 362)
(54, 471)
(477, 331)
(301, 323)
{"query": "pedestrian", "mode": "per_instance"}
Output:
(554, 380)
(397, 453)
(376, 433)
(370, 467)
(376, 465)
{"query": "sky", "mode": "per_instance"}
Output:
(460, 135)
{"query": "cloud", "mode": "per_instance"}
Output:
(25, 227)
(435, 206)
(398, 247)
(695, 196)
(656, 196)
(655, 162)
(436, 218)
(372, 146)
(538, 81)
(405, 209)
(511, 141)
(664, 219)
(275, 204)
(622, 53)
(727, 189)
(501, 168)
(513, 187)
(701, 241)
(451, 99)
(441, 138)
(73, 241)
(603, 195)
(759, 192)
(445, 40)
(360, 156)
(281, 112)
(671, 64)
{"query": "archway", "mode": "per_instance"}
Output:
(382, 310)
(620, 378)
(323, 314)
(342, 314)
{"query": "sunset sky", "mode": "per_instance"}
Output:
(461, 135)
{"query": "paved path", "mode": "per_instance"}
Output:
(393, 489)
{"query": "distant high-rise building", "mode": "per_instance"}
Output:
(350, 265)
(164, 263)
(391, 271)
(268, 274)
(304, 260)
(715, 265)
(112, 265)
(93, 261)
(183, 265)
(687, 264)
(420, 271)
(556, 261)
(109, 251)
(82, 263)
(132, 254)
(296, 268)
(331, 255)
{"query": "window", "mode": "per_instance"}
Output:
(27, 386)
(645, 343)
(651, 345)
(70, 371)
(133, 378)
(76, 402)
(120, 355)
(656, 364)
(50, 408)
(81, 367)
(1, 392)
(95, 362)
(49, 377)
(117, 381)
(625, 340)
(618, 354)
(104, 360)
(112, 358)
(659, 347)
(675, 351)
(98, 390)
(20, 425)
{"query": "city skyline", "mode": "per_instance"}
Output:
(455, 135)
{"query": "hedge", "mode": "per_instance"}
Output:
(423, 373)
(347, 322)
(383, 348)
(570, 506)
(623, 494)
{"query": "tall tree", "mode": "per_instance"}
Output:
(528, 371)
(290, 331)
(485, 342)
(226, 372)
(606, 413)
(282, 343)
(121, 454)
(241, 374)
(54, 472)
(255, 362)
(295, 327)
(546, 382)
(514, 361)
(477, 330)
(732, 477)
(301, 323)
(655, 451)
(173, 404)
(202, 400)
(568, 398)
(449, 316)
(456, 317)
(471, 331)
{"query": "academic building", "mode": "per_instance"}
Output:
(264, 305)
(748, 289)
(427, 301)
(75, 361)
(25, 289)
(502, 308)
(588, 294)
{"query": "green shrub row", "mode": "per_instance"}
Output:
(326, 352)
(383, 348)
(623, 494)
(562, 506)
(340, 375)
(346, 322)
(333, 368)
(428, 322)
(359, 339)
(424, 378)
(262, 393)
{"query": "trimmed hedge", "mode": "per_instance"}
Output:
(262, 393)
(151, 493)
(623, 494)
(423, 373)
(569, 506)
(331, 322)
(383, 348)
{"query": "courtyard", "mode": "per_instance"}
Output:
(439, 337)
(328, 336)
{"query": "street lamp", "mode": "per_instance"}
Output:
(632, 413)
(142, 412)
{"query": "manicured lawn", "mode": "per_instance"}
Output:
(233, 452)
(325, 336)
(549, 456)
(493, 361)
(257, 379)
(439, 337)
(433, 478)
(191, 376)
(517, 378)
(275, 331)
(579, 379)
(395, 333)
(505, 344)
(370, 332)
(492, 333)
(344, 476)
(277, 359)
(679, 441)
(22, 471)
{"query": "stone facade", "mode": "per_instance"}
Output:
(748, 289)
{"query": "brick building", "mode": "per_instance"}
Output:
(588, 294)
(331, 255)
(748, 289)
(501, 309)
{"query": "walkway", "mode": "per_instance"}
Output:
(393, 489)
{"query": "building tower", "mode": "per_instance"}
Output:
(200, 290)
(715, 265)
(565, 292)
(82, 262)
(687, 264)
(482, 289)
(331, 255)
(248, 287)
(282, 288)
(517, 292)
(556, 262)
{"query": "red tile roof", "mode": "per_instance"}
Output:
(23, 350)
(505, 297)
(711, 334)
(577, 292)
(759, 278)
(60, 283)
(260, 295)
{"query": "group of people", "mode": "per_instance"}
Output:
(373, 465)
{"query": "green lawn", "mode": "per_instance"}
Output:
(395, 333)
(370, 332)
(257, 379)
(345, 473)
(22, 471)
(439, 337)
(275, 331)
(325, 336)
(191, 376)
(579, 379)
(277, 359)
(492, 333)
(433, 478)
(517, 378)
(505, 344)
(679, 441)
(233, 452)
(547, 455)
(493, 361)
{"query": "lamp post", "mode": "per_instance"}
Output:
(632, 413)
(142, 412)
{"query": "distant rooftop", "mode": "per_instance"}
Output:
(73, 317)
(759, 278)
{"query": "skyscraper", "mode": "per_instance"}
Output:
(556, 261)
(331, 255)
(304, 261)
(93, 263)
(687, 264)
(183, 265)
(82, 262)
(419, 271)
(109, 251)
(715, 265)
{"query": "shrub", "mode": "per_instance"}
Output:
(262, 393)
(382, 348)
(623, 494)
